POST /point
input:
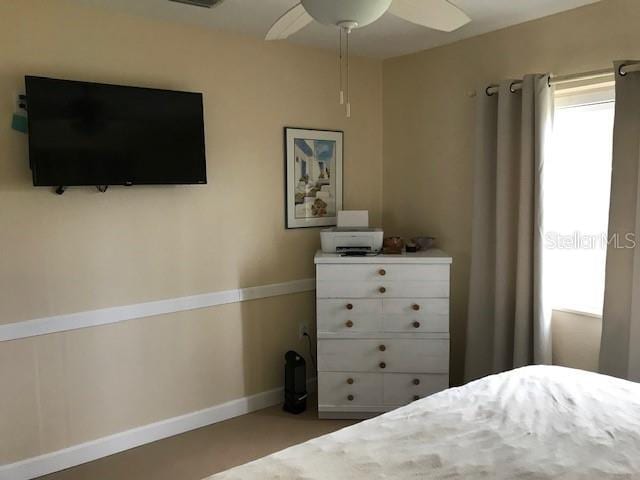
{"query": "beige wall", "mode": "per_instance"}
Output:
(86, 250)
(429, 121)
(576, 340)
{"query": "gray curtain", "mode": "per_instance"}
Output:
(508, 324)
(620, 347)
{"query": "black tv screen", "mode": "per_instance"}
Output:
(96, 134)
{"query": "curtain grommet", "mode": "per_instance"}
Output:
(511, 87)
(487, 91)
(621, 72)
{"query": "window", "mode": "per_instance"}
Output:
(577, 187)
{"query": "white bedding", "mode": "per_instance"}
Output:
(531, 423)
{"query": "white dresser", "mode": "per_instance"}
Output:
(383, 331)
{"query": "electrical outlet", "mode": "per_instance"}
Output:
(19, 103)
(303, 329)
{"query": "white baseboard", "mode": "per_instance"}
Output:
(105, 446)
(105, 316)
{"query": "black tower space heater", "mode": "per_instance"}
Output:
(295, 383)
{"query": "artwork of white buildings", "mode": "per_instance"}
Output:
(313, 177)
(315, 190)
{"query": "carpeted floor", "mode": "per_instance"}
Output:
(199, 453)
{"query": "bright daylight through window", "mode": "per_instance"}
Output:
(577, 186)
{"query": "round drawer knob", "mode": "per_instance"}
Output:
(416, 307)
(350, 381)
(349, 323)
(416, 397)
(382, 365)
(416, 324)
(350, 398)
(382, 348)
(382, 289)
(416, 381)
(382, 272)
(349, 306)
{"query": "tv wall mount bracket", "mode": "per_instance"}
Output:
(101, 188)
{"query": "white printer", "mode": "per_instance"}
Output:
(352, 236)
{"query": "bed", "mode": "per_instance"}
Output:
(536, 422)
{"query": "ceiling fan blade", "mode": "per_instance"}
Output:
(435, 14)
(295, 19)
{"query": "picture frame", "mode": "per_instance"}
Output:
(313, 177)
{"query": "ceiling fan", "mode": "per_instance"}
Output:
(435, 14)
(350, 14)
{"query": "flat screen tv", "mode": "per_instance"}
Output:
(96, 134)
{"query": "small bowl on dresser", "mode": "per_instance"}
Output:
(424, 243)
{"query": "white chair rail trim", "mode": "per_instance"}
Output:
(105, 316)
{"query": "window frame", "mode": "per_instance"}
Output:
(601, 92)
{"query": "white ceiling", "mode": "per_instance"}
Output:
(388, 37)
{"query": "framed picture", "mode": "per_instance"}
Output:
(313, 177)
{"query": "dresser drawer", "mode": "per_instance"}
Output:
(382, 289)
(401, 388)
(415, 315)
(349, 388)
(384, 355)
(349, 315)
(390, 272)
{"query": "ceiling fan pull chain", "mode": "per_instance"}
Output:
(348, 77)
(340, 67)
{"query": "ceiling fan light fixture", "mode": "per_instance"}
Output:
(334, 12)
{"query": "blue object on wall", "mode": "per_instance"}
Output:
(19, 123)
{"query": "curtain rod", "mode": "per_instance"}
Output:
(574, 77)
